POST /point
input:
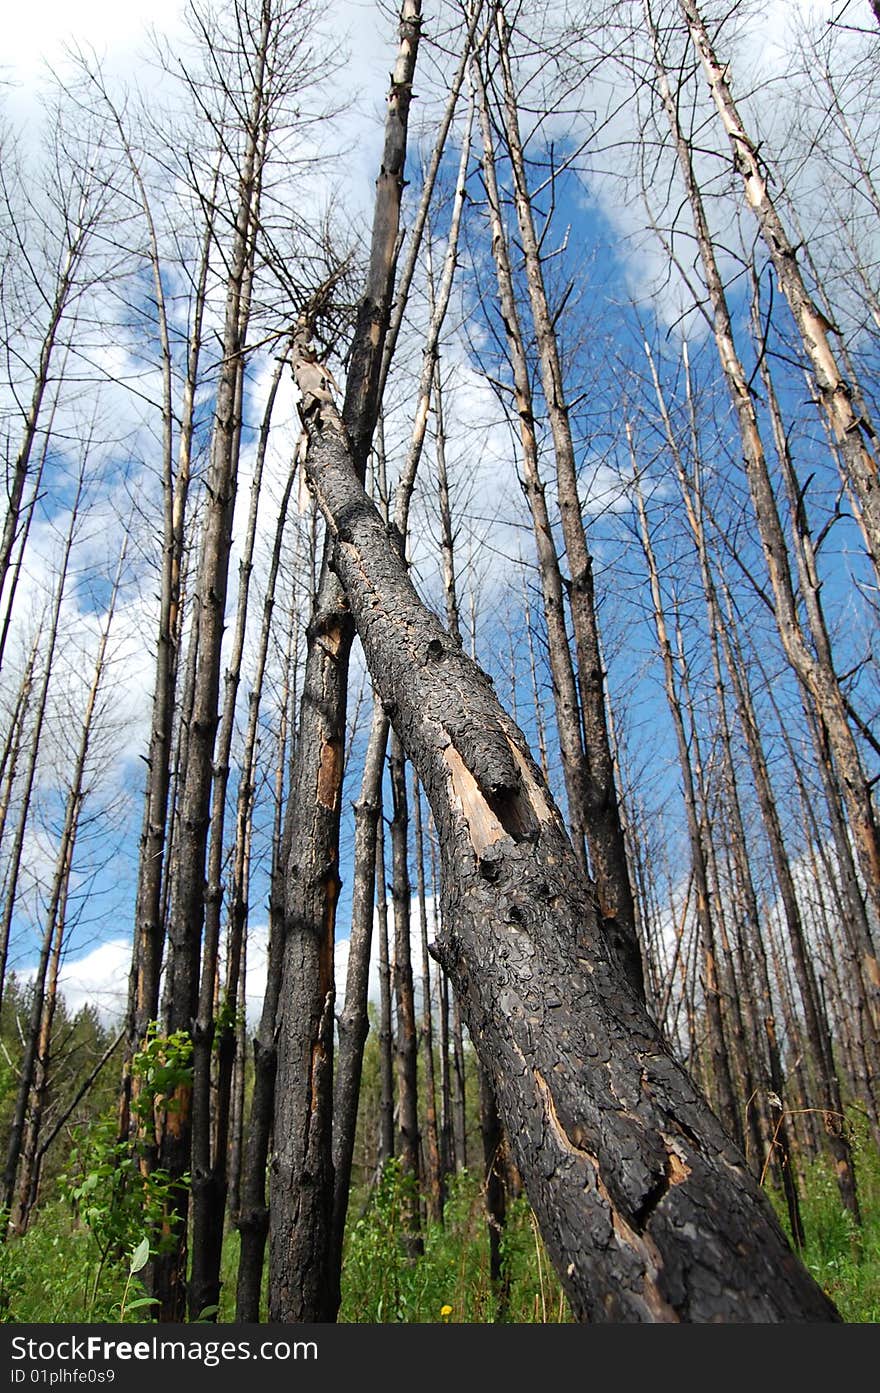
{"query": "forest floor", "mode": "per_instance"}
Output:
(55, 1272)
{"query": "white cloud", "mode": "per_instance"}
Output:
(37, 34)
(100, 977)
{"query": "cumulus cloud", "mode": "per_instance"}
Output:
(99, 978)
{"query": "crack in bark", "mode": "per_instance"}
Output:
(632, 1235)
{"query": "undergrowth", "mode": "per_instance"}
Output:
(59, 1272)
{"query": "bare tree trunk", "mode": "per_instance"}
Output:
(407, 1034)
(856, 923)
(721, 1076)
(31, 1153)
(253, 1215)
(748, 926)
(187, 908)
(352, 1021)
(79, 225)
(11, 755)
(565, 693)
(647, 1210)
(10, 589)
(459, 1098)
(237, 1111)
(210, 1118)
(816, 1024)
(48, 643)
(302, 1286)
(385, 1034)
(602, 813)
(853, 431)
(490, 1123)
(447, 1137)
(434, 1187)
(28, 1176)
(153, 879)
(33, 1071)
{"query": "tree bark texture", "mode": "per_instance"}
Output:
(852, 430)
(301, 1189)
(601, 813)
(648, 1211)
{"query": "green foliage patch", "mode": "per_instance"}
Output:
(450, 1282)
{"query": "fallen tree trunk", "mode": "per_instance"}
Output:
(648, 1211)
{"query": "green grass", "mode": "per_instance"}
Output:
(381, 1285)
(844, 1260)
(54, 1273)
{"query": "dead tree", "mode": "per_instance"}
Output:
(854, 431)
(187, 905)
(301, 1191)
(721, 1075)
(648, 1210)
(36, 1065)
(601, 814)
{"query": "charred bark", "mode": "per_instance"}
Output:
(647, 1209)
(301, 1204)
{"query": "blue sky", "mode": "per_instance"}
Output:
(614, 264)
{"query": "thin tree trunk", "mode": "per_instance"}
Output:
(602, 819)
(48, 643)
(385, 1033)
(853, 431)
(11, 756)
(149, 917)
(867, 967)
(153, 882)
(209, 1158)
(78, 228)
(459, 1094)
(406, 1051)
(721, 1077)
(302, 1285)
(33, 1071)
(565, 692)
(490, 1123)
(749, 927)
(253, 1214)
(9, 591)
(447, 1138)
(434, 1188)
(816, 1024)
(187, 907)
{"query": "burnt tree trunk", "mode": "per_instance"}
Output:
(601, 810)
(210, 1105)
(433, 1183)
(253, 1213)
(647, 1209)
(352, 1021)
(302, 1286)
(406, 1041)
